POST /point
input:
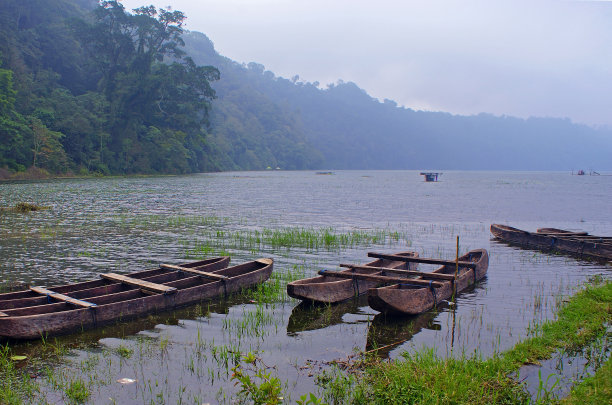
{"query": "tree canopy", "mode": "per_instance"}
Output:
(120, 97)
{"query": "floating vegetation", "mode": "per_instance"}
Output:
(24, 207)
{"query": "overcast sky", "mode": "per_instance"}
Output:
(519, 58)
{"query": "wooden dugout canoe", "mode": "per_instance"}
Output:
(557, 240)
(330, 290)
(410, 299)
(561, 233)
(31, 315)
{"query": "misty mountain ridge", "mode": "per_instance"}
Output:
(352, 130)
(79, 95)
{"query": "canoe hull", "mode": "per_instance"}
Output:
(545, 242)
(406, 299)
(7, 300)
(54, 323)
(331, 290)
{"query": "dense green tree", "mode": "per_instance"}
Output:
(148, 97)
(7, 93)
(13, 150)
(47, 150)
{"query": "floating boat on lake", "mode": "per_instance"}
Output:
(580, 244)
(431, 176)
(415, 296)
(39, 312)
(329, 290)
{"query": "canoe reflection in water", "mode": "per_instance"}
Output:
(312, 316)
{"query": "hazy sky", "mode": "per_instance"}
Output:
(519, 58)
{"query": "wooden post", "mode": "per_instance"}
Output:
(457, 258)
(456, 269)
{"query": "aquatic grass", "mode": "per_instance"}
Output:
(255, 382)
(77, 391)
(595, 389)
(124, 352)
(212, 241)
(581, 320)
(424, 377)
(252, 323)
(274, 290)
(15, 383)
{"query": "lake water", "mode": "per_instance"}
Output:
(128, 224)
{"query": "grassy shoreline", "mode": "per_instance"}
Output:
(423, 377)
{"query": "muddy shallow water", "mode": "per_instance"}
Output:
(128, 224)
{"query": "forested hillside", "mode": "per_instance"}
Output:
(354, 131)
(88, 87)
(92, 88)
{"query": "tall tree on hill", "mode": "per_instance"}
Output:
(158, 111)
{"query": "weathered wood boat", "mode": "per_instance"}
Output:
(38, 312)
(561, 233)
(580, 244)
(330, 290)
(412, 297)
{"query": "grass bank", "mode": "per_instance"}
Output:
(424, 378)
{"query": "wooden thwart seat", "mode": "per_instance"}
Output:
(381, 279)
(425, 275)
(420, 260)
(62, 297)
(147, 285)
(194, 271)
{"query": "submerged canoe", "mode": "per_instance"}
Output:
(412, 299)
(330, 290)
(40, 312)
(580, 244)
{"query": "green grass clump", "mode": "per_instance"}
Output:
(77, 391)
(425, 378)
(211, 241)
(583, 319)
(125, 352)
(15, 384)
(595, 390)
(275, 289)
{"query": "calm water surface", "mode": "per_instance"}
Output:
(128, 224)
